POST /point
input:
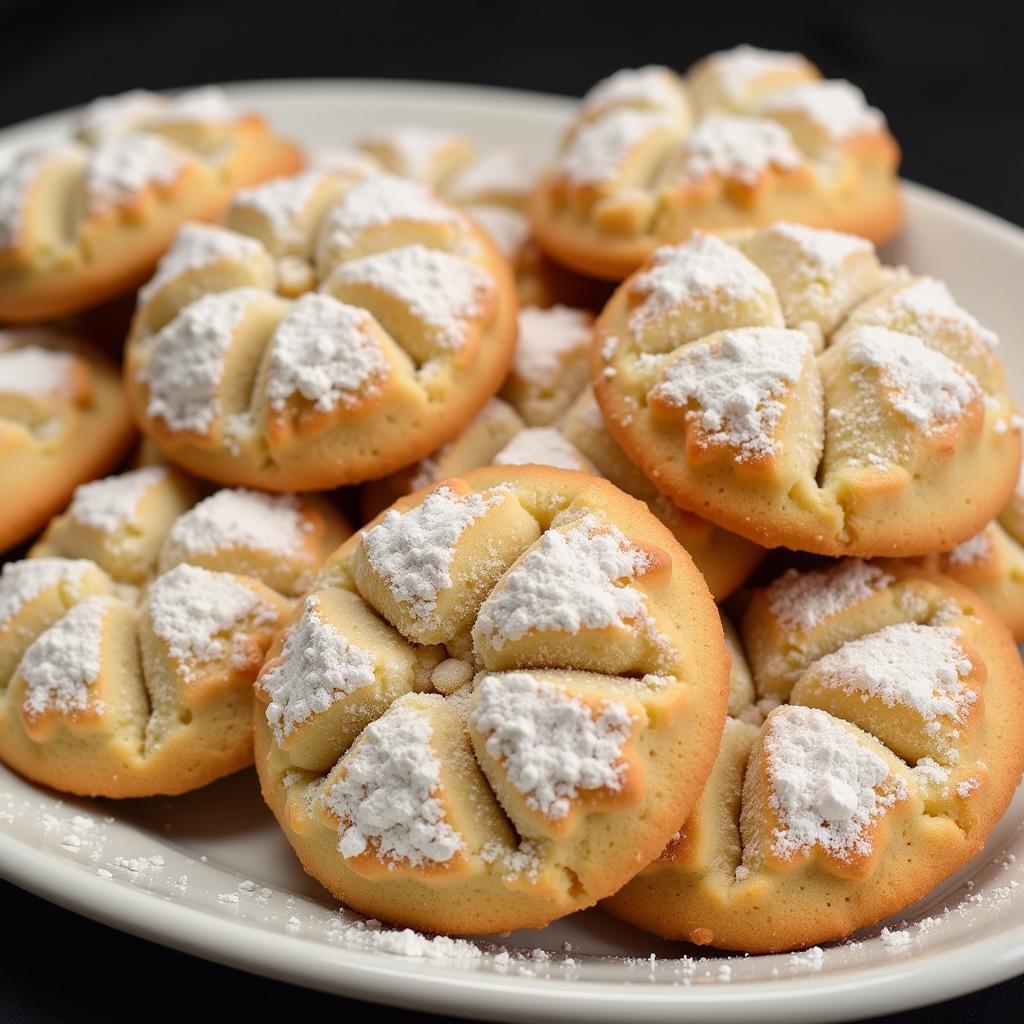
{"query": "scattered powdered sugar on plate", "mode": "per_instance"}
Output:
(812, 959)
(978, 548)
(929, 389)
(910, 665)
(546, 338)
(387, 797)
(123, 165)
(36, 371)
(371, 935)
(570, 580)
(199, 614)
(325, 351)
(499, 172)
(63, 662)
(737, 147)
(413, 551)
(23, 581)
(826, 787)
(113, 502)
(281, 203)
(188, 356)
(317, 667)
(384, 199)
(240, 518)
(804, 600)
(551, 743)
(739, 386)
(836, 106)
(600, 149)
(542, 446)
(652, 87)
(703, 269)
(415, 147)
(200, 245)
(442, 290)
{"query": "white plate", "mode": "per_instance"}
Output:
(228, 888)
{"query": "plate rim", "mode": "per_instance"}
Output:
(417, 984)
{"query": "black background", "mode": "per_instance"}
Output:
(950, 78)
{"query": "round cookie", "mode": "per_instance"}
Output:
(893, 742)
(747, 138)
(63, 420)
(791, 389)
(139, 165)
(497, 677)
(131, 635)
(242, 373)
(493, 187)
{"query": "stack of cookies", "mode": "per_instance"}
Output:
(691, 557)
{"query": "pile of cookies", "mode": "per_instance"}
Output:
(690, 558)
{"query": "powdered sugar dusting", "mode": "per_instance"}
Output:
(825, 249)
(928, 389)
(705, 269)
(21, 582)
(599, 149)
(324, 350)
(36, 371)
(542, 446)
(837, 107)
(499, 172)
(317, 667)
(931, 303)
(415, 147)
(973, 551)
(804, 600)
(385, 199)
(736, 70)
(113, 502)
(739, 386)
(413, 551)
(17, 179)
(192, 609)
(826, 787)
(200, 245)
(110, 116)
(652, 87)
(63, 662)
(388, 797)
(571, 580)
(187, 360)
(737, 147)
(443, 291)
(551, 743)
(914, 666)
(546, 337)
(122, 166)
(281, 203)
(239, 518)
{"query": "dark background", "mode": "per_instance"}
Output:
(950, 78)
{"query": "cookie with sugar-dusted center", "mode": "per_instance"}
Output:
(85, 220)
(131, 635)
(338, 327)
(785, 385)
(63, 420)
(885, 746)
(497, 676)
(746, 138)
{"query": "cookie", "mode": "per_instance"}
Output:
(747, 138)
(242, 373)
(893, 742)
(131, 635)
(499, 676)
(791, 389)
(86, 220)
(63, 420)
